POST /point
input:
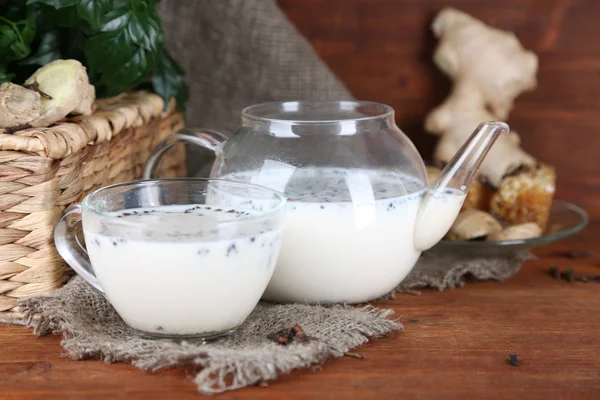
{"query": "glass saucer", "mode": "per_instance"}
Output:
(566, 219)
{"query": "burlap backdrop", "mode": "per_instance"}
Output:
(237, 53)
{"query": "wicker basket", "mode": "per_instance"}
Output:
(44, 170)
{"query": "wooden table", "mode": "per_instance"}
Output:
(455, 345)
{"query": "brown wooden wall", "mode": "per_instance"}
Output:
(382, 50)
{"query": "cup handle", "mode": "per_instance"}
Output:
(69, 248)
(206, 138)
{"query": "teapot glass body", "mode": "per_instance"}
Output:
(359, 207)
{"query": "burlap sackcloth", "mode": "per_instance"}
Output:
(236, 53)
(91, 328)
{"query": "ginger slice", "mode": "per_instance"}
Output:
(472, 224)
(66, 82)
(528, 230)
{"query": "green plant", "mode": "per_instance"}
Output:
(120, 42)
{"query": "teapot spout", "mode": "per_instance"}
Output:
(442, 202)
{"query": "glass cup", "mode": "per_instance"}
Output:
(177, 258)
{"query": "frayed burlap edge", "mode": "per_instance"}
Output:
(443, 271)
(229, 364)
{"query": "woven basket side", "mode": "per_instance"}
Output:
(28, 194)
(111, 117)
(35, 189)
(118, 161)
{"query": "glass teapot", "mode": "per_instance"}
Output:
(360, 210)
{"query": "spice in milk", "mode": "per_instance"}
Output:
(349, 233)
(184, 269)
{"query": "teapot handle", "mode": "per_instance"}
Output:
(206, 138)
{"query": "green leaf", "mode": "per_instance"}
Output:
(167, 80)
(130, 73)
(12, 45)
(126, 66)
(121, 4)
(28, 32)
(47, 51)
(115, 20)
(19, 49)
(7, 36)
(106, 52)
(119, 41)
(133, 39)
(93, 12)
(144, 31)
(58, 4)
(28, 28)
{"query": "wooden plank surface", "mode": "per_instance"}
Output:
(454, 346)
(381, 49)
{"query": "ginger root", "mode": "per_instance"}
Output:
(527, 230)
(18, 106)
(54, 91)
(472, 224)
(67, 82)
(489, 69)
